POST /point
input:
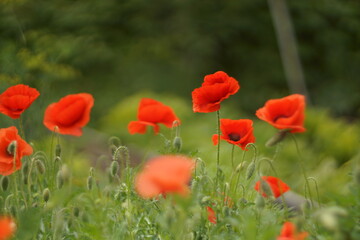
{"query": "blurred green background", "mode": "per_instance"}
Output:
(123, 50)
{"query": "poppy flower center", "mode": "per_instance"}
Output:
(279, 117)
(234, 137)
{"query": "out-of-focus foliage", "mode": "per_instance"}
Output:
(115, 48)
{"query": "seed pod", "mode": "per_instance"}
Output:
(250, 170)
(177, 143)
(46, 195)
(58, 150)
(40, 166)
(4, 183)
(114, 168)
(89, 182)
(11, 149)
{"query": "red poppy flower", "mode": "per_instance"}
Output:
(277, 186)
(211, 215)
(16, 99)
(7, 228)
(11, 144)
(237, 132)
(285, 113)
(70, 114)
(151, 113)
(163, 175)
(289, 232)
(215, 88)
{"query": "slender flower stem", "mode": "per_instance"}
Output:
(218, 149)
(21, 126)
(232, 156)
(307, 185)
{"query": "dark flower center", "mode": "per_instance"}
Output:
(279, 117)
(234, 137)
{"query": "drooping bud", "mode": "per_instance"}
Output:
(114, 141)
(40, 166)
(65, 173)
(114, 168)
(265, 188)
(250, 170)
(57, 150)
(4, 183)
(59, 180)
(46, 195)
(278, 137)
(177, 143)
(11, 149)
(89, 182)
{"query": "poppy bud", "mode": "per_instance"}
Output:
(40, 166)
(329, 217)
(240, 167)
(259, 201)
(278, 137)
(58, 150)
(91, 171)
(46, 195)
(114, 168)
(265, 188)
(65, 173)
(89, 182)
(250, 170)
(121, 153)
(59, 180)
(11, 149)
(4, 183)
(177, 143)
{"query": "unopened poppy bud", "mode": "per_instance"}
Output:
(57, 160)
(59, 180)
(205, 200)
(4, 183)
(278, 137)
(46, 195)
(259, 201)
(11, 149)
(177, 143)
(91, 171)
(250, 170)
(114, 168)
(122, 153)
(89, 182)
(57, 150)
(240, 167)
(40, 166)
(265, 188)
(65, 173)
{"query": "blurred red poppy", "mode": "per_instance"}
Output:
(277, 186)
(7, 228)
(11, 144)
(151, 113)
(211, 215)
(70, 114)
(289, 232)
(237, 132)
(215, 88)
(163, 175)
(16, 99)
(285, 113)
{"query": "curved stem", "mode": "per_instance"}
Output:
(307, 185)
